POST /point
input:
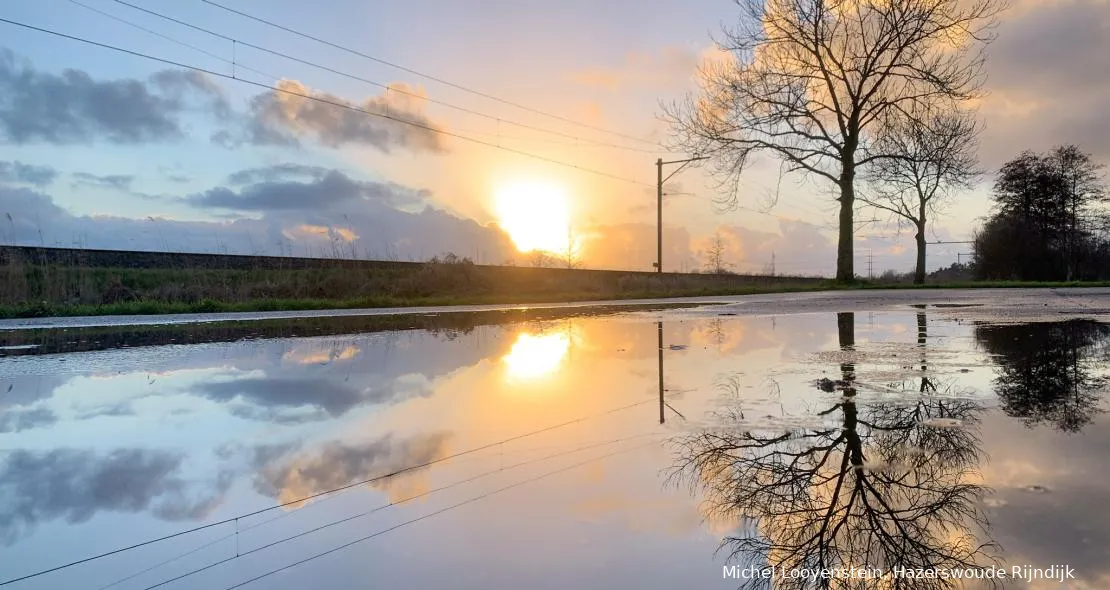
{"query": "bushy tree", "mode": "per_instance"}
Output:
(1046, 223)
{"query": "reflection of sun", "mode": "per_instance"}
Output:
(536, 216)
(535, 356)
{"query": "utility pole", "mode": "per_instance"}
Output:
(659, 163)
(659, 223)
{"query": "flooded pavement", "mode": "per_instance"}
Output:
(648, 449)
(1019, 302)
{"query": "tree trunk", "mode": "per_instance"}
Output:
(845, 257)
(919, 271)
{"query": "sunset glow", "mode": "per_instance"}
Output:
(535, 356)
(536, 216)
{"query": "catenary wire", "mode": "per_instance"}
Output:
(325, 68)
(329, 102)
(425, 76)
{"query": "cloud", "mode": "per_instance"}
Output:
(1045, 76)
(283, 116)
(799, 247)
(75, 484)
(120, 182)
(379, 230)
(18, 172)
(670, 67)
(72, 107)
(331, 189)
(633, 246)
(276, 172)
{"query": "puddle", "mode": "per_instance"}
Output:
(637, 450)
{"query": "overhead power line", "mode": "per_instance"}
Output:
(455, 85)
(329, 69)
(337, 104)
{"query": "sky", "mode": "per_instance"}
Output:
(559, 131)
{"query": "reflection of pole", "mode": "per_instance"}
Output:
(659, 328)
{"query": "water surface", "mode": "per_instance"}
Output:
(639, 450)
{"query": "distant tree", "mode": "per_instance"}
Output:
(1083, 188)
(541, 259)
(1045, 222)
(715, 255)
(572, 255)
(451, 258)
(938, 160)
(813, 83)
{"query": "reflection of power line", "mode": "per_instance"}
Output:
(324, 493)
(368, 512)
(437, 512)
(334, 103)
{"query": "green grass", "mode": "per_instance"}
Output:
(32, 290)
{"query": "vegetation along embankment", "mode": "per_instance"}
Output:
(38, 282)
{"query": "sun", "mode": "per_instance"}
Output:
(536, 216)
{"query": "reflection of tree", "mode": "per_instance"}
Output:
(886, 487)
(1046, 371)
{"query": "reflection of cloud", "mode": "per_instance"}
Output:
(289, 477)
(271, 398)
(1049, 488)
(313, 357)
(665, 514)
(75, 484)
(535, 356)
(14, 419)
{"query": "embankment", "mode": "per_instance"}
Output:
(60, 281)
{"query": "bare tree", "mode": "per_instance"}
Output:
(811, 82)
(938, 160)
(715, 255)
(572, 255)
